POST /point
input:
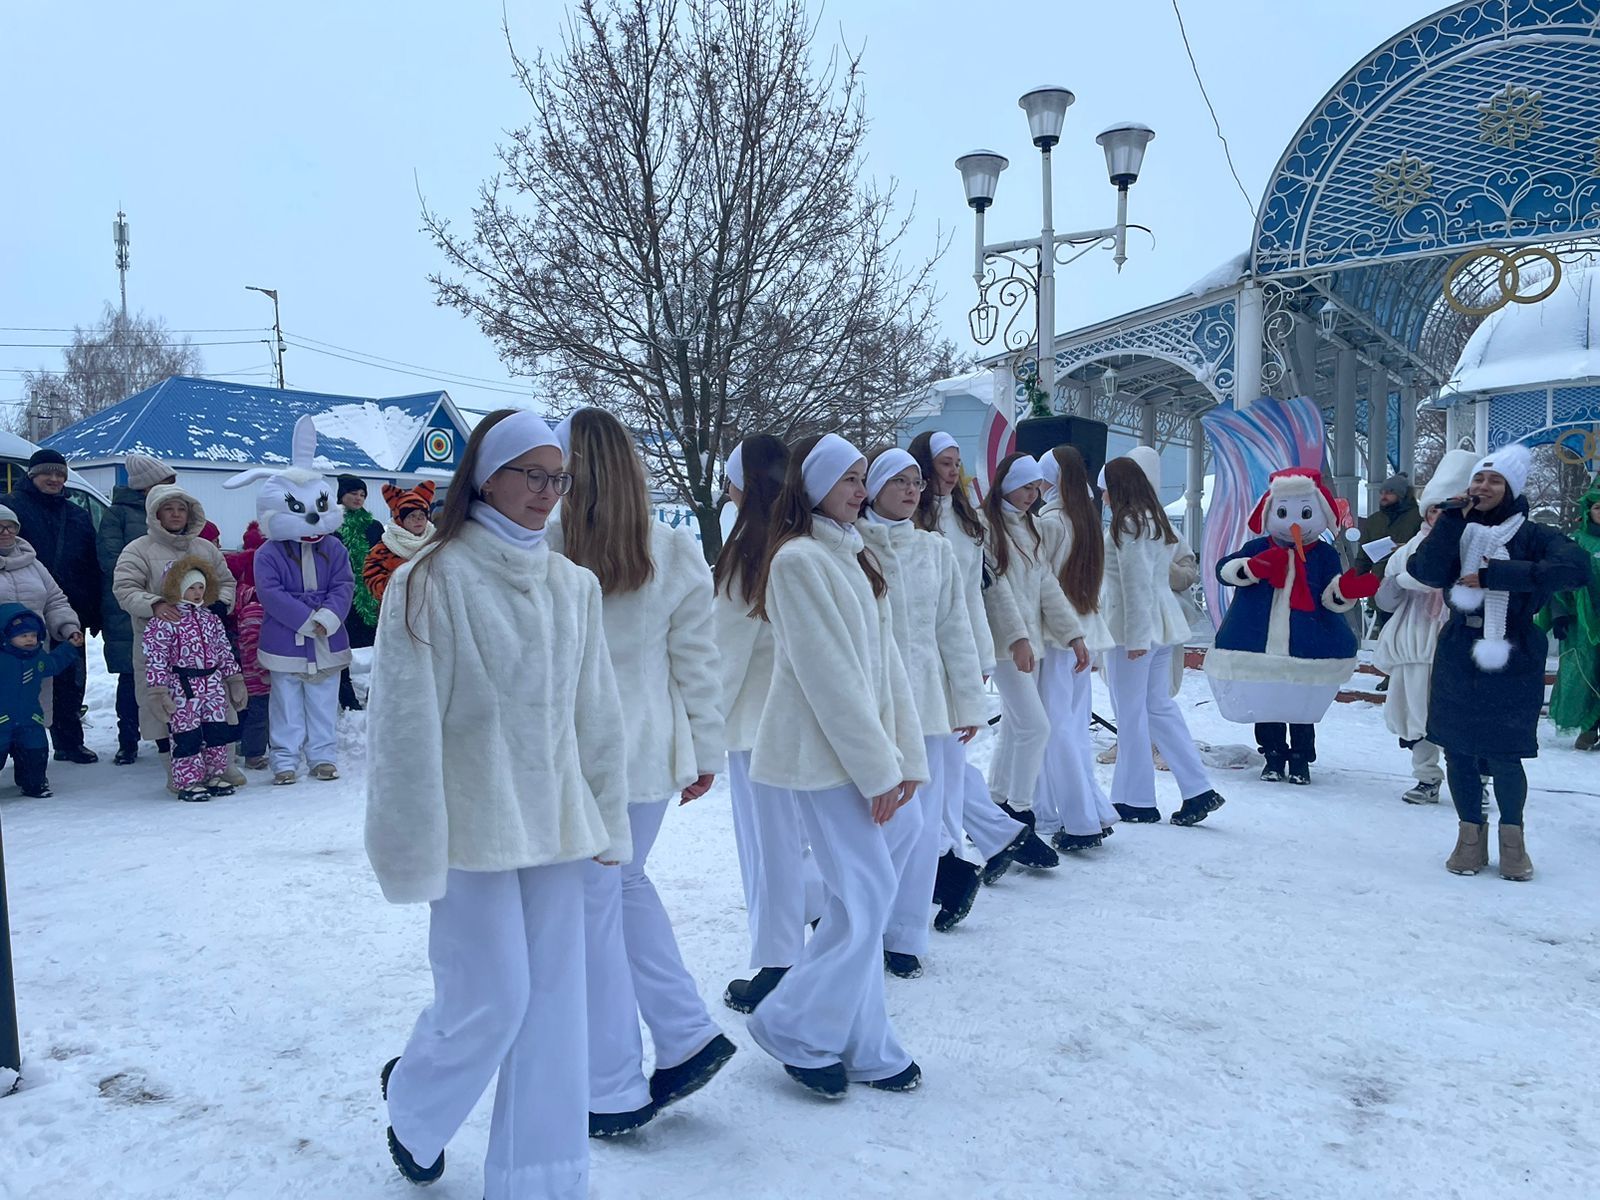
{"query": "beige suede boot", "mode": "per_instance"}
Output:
(1514, 861)
(1471, 854)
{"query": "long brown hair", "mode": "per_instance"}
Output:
(1086, 561)
(739, 562)
(994, 511)
(791, 518)
(927, 514)
(605, 518)
(1135, 508)
(457, 502)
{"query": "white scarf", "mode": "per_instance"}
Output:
(504, 527)
(1481, 545)
(403, 542)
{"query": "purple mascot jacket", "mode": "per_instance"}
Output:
(295, 582)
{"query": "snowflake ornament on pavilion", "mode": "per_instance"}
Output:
(1510, 117)
(1402, 184)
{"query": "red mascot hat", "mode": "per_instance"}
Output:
(1294, 483)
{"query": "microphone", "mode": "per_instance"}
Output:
(1458, 502)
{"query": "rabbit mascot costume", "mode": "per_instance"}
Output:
(1285, 647)
(305, 586)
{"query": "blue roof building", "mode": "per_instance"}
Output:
(210, 429)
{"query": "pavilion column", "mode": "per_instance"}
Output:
(1147, 424)
(1480, 426)
(1377, 434)
(1194, 492)
(1452, 427)
(1408, 427)
(1344, 425)
(1247, 348)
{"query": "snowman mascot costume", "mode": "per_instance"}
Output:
(305, 585)
(1285, 646)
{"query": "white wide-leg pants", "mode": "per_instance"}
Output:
(303, 718)
(830, 1007)
(971, 811)
(1069, 796)
(782, 889)
(915, 840)
(506, 949)
(1147, 712)
(635, 970)
(1024, 733)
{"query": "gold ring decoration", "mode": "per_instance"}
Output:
(1579, 458)
(1509, 277)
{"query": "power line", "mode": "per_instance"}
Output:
(434, 376)
(1227, 151)
(78, 328)
(395, 361)
(112, 340)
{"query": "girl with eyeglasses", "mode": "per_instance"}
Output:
(945, 508)
(1070, 804)
(1026, 607)
(934, 637)
(493, 777)
(839, 730)
(782, 890)
(656, 605)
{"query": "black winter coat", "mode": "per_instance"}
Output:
(62, 534)
(1494, 714)
(124, 522)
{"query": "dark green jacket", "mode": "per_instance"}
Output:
(1400, 521)
(124, 522)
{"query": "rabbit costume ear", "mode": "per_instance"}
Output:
(304, 453)
(246, 478)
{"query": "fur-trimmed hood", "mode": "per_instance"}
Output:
(159, 495)
(172, 582)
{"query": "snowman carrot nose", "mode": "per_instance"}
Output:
(1299, 546)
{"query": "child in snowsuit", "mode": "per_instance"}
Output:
(24, 666)
(193, 678)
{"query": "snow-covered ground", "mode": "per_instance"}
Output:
(1292, 1000)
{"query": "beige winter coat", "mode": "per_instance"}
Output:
(659, 637)
(494, 728)
(136, 583)
(839, 711)
(25, 581)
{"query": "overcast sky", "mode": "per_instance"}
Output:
(283, 145)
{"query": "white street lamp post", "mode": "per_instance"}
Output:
(1124, 145)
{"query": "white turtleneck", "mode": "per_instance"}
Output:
(504, 527)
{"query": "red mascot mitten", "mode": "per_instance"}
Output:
(1355, 586)
(1271, 566)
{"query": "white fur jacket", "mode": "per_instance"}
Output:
(1136, 598)
(1027, 601)
(839, 711)
(1056, 533)
(931, 627)
(665, 661)
(1412, 634)
(969, 558)
(744, 656)
(495, 735)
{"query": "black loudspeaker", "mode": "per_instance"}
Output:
(1040, 435)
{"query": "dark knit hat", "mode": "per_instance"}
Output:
(1399, 484)
(351, 483)
(46, 461)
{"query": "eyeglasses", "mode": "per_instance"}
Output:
(911, 485)
(539, 480)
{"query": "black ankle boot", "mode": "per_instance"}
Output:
(745, 995)
(954, 890)
(1273, 772)
(1197, 808)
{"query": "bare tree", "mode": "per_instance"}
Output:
(105, 364)
(682, 234)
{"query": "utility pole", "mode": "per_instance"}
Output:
(119, 237)
(10, 1043)
(277, 328)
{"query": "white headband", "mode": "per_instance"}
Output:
(734, 468)
(885, 467)
(563, 435)
(829, 459)
(940, 442)
(1050, 468)
(513, 437)
(1019, 475)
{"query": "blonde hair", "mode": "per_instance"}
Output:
(605, 518)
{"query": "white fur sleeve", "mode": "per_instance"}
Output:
(1134, 599)
(407, 830)
(598, 722)
(1005, 619)
(1060, 622)
(692, 656)
(957, 652)
(1237, 572)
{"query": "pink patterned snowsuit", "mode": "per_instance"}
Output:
(193, 661)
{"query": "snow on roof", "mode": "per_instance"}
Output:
(978, 383)
(1230, 272)
(384, 434)
(1521, 346)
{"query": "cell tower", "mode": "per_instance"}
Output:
(119, 235)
